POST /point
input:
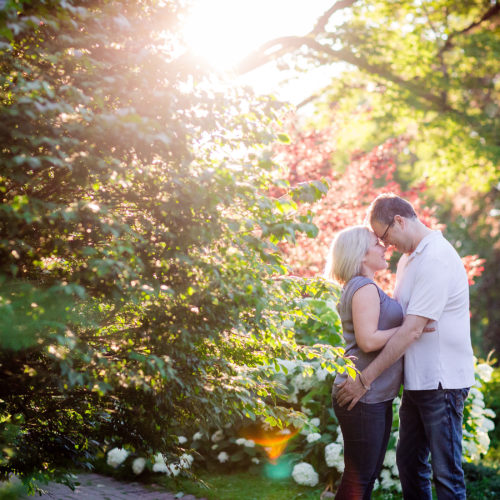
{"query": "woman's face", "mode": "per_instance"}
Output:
(374, 259)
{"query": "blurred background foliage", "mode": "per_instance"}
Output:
(425, 74)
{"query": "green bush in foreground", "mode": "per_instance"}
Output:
(138, 247)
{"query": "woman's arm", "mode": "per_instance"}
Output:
(365, 315)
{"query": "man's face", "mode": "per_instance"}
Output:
(392, 233)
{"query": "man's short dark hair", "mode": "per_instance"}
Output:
(385, 206)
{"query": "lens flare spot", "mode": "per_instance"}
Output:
(273, 440)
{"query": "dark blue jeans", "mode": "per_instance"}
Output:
(366, 430)
(430, 422)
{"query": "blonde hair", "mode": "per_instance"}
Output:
(346, 253)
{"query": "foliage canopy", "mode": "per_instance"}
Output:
(428, 68)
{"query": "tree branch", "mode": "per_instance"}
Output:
(287, 44)
(269, 52)
(323, 20)
(280, 46)
(264, 54)
(491, 12)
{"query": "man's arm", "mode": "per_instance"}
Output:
(352, 390)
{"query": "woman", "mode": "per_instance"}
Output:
(369, 319)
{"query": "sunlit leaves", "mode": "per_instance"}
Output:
(427, 69)
(138, 219)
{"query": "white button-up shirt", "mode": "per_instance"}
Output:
(432, 283)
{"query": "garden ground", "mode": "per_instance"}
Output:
(482, 483)
(96, 486)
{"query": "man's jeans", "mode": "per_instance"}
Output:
(431, 422)
(366, 430)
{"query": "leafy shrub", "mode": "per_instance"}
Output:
(138, 248)
(481, 481)
(316, 440)
(492, 400)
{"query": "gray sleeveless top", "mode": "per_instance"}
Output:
(387, 385)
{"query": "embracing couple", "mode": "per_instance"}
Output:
(428, 323)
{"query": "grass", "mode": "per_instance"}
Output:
(244, 486)
(252, 486)
(482, 483)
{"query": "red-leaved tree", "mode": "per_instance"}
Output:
(310, 155)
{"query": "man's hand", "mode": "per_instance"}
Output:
(350, 391)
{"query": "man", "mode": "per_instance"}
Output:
(431, 286)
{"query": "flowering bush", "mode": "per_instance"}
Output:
(478, 420)
(317, 448)
(123, 459)
(313, 441)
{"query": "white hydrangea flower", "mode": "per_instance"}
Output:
(484, 441)
(197, 436)
(484, 371)
(334, 456)
(304, 473)
(387, 480)
(390, 458)
(255, 460)
(470, 449)
(315, 421)
(160, 465)
(222, 457)
(182, 439)
(241, 441)
(215, 446)
(475, 393)
(185, 461)
(174, 469)
(486, 424)
(116, 457)
(313, 437)
(217, 436)
(303, 382)
(249, 443)
(138, 465)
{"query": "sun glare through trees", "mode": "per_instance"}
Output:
(223, 32)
